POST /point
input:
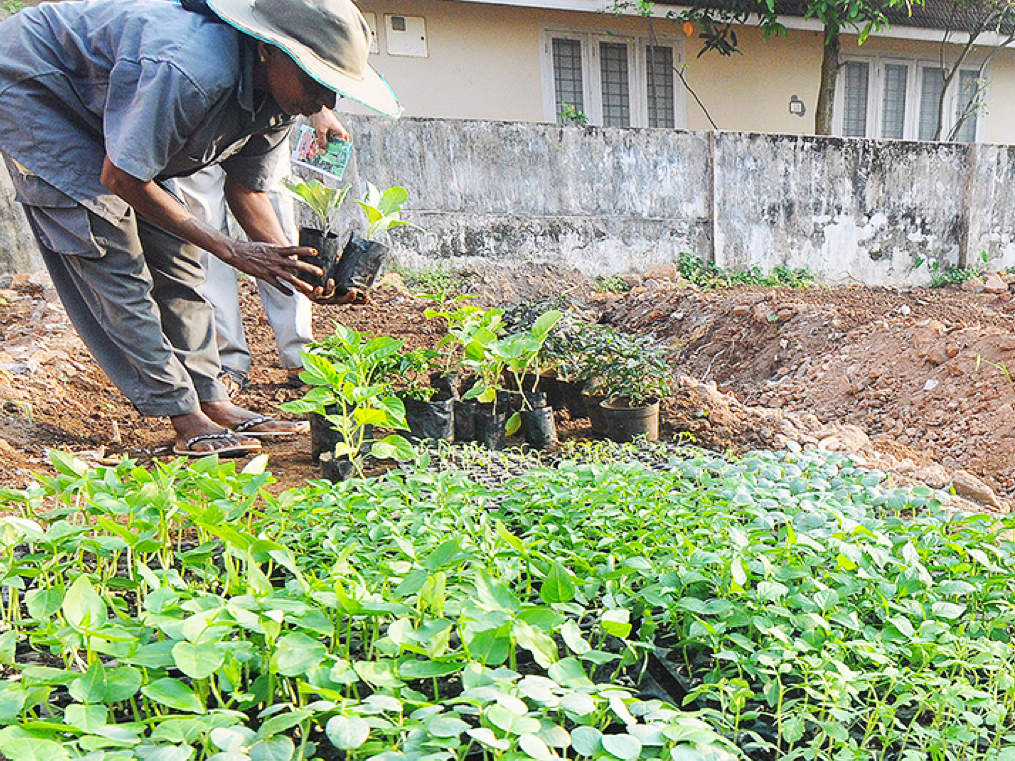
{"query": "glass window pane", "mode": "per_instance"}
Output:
(659, 74)
(967, 106)
(931, 85)
(893, 107)
(616, 88)
(854, 115)
(567, 75)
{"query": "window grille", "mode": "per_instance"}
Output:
(567, 75)
(854, 120)
(616, 88)
(893, 104)
(659, 76)
(931, 85)
(968, 85)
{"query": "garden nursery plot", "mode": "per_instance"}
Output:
(617, 602)
(798, 589)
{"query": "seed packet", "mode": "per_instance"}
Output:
(330, 161)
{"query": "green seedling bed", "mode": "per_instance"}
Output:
(608, 602)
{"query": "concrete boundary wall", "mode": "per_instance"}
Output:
(609, 200)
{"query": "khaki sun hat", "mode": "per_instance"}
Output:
(329, 39)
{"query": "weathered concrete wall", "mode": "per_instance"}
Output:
(594, 199)
(851, 210)
(18, 252)
(991, 182)
(606, 200)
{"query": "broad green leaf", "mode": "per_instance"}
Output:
(90, 687)
(557, 585)
(513, 424)
(87, 718)
(34, 749)
(197, 661)
(232, 738)
(174, 694)
(488, 738)
(623, 746)
(282, 722)
(571, 633)
(536, 748)
(347, 732)
(43, 603)
(274, 749)
(949, 610)
(12, 702)
(616, 621)
(417, 669)
(446, 726)
(297, 653)
(82, 606)
(511, 722)
(542, 646)
(587, 741)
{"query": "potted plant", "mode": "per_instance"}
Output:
(429, 410)
(521, 353)
(632, 378)
(324, 202)
(466, 325)
(350, 395)
(362, 258)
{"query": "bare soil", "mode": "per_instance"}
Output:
(915, 381)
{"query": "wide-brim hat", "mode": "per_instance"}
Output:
(328, 39)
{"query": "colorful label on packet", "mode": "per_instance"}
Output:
(330, 161)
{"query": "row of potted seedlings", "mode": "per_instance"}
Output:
(488, 378)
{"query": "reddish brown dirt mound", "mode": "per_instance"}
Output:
(923, 372)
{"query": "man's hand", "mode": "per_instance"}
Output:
(326, 124)
(279, 266)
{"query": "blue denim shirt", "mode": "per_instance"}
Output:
(162, 91)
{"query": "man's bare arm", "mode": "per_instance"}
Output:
(274, 263)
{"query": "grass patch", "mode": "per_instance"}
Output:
(707, 275)
(434, 282)
(610, 284)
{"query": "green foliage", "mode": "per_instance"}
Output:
(383, 210)
(939, 278)
(322, 200)
(434, 283)
(414, 368)
(611, 362)
(716, 23)
(610, 284)
(707, 275)
(571, 114)
(350, 379)
(9, 7)
(803, 608)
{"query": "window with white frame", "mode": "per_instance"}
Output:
(613, 80)
(887, 97)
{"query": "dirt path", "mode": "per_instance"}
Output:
(915, 377)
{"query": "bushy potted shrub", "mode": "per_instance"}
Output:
(632, 376)
(350, 395)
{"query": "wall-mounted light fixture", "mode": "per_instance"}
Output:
(796, 106)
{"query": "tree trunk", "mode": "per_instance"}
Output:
(826, 90)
